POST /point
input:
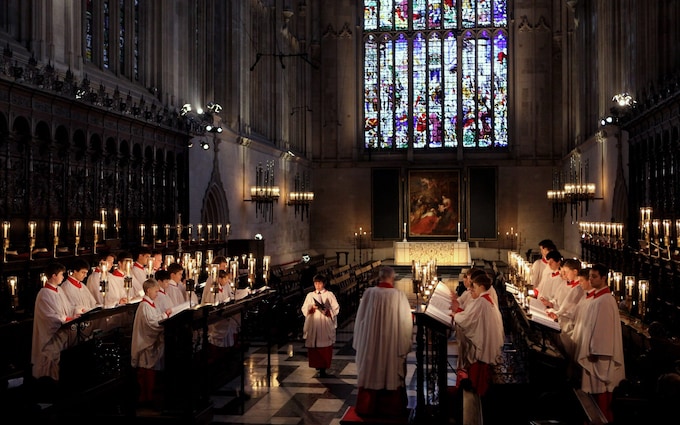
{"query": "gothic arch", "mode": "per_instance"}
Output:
(215, 205)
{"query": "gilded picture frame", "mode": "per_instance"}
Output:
(433, 203)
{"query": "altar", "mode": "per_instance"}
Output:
(446, 253)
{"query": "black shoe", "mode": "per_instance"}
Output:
(323, 374)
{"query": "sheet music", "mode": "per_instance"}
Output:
(538, 314)
(179, 307)
(439, 306)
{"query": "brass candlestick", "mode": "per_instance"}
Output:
(56, 242)
(31, 245)
(5, 247)
(77, 242)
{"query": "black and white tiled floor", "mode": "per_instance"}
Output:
(295, 395)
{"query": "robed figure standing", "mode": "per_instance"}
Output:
(383, 333)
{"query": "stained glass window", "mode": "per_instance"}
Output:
(111, 35)
(435, 74)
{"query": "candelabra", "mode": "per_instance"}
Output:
(31, 238)
(5, 240)
(264, 193)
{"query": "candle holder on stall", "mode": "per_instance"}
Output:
(56, 225)
(127, 280)
(95, 227)
(167, 235)
(31, 238)
(116, 222)
(103, 282)
(5, 240)
(209, 227)
(179, 239)
(76, 227)
(191, 285)
(13, 282)
(154, 233)
(643, 292)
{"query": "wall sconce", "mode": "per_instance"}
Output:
(265, 192)
(301, 197)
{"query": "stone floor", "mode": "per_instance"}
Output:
(294, 395)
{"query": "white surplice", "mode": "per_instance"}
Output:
(600, 334)
(383, 332)
(481, 325)
(147, 336)
(319, 329)
(51, 311)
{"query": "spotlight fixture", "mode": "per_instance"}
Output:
(185, 109)
(214, 108)
(204, 145)
(213, 129)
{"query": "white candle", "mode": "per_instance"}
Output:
(31, 229)
(228, 229)
(13, 285)
(404, 228)
(459, 227)
(103, 212)
(116, 213)
(77, 228)
(5, 229)
(56, 228)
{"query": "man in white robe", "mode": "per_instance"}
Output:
(599, 347)
(383, 332)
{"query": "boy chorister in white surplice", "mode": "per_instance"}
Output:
(148, 346)
(51, 311)
(480, 333)
(79, 297)
(320, 309)
(599, 344)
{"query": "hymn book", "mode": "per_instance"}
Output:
(439, 306)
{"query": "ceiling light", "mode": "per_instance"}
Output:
(204, 145)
